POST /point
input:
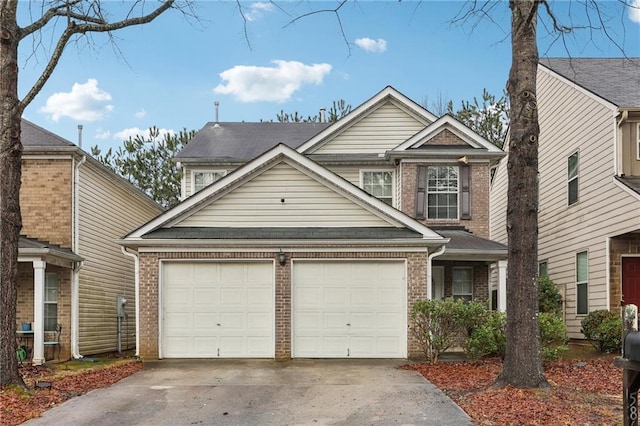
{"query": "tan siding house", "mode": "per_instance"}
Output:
(74, 211)
(589, 206)
(319, 238)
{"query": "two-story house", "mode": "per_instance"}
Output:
(312, 240)
(71, 269)
(589, 183)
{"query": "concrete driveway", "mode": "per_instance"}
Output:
(263, 392)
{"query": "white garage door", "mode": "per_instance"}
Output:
(212, 310)
(349, 309)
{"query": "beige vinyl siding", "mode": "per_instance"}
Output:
(572, 121)
(498, 203)
(108, 210)
(381, 130)
(349, 173)
(188, 176)
(307, 202)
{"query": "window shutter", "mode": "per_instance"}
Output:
(421, 192)
(465, 191)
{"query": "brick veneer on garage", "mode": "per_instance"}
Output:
(149, 265)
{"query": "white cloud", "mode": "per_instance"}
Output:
(102, 134)
(132, 132)
(85, 102)
(141, 113)
(271, 84)
(257, 9)
(634, 11)
(371, 45)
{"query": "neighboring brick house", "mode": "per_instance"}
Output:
(71, 268)
(311, 240)
(589, 174)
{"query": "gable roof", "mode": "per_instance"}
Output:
(385, 95)
(245, 141)
(159, 227)
(474, 144)
(33, 136)
(617, 80)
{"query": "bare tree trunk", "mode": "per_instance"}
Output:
(523, 360)
(10, 175)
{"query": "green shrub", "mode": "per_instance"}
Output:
(437, 324)
(603, 329)
(549, 298)
(487, 338)
(553, 335)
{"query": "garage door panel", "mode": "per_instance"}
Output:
(218, 309)
(349, 308)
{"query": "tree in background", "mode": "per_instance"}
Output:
(70, 21)
(489, 118)
(147, 162)
(338, 110)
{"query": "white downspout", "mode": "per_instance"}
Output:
(136, 261)
(430, 270)
(75, 282)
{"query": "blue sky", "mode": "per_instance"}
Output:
(169, 73)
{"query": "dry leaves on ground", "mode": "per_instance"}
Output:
(18, 406)
(585, 392)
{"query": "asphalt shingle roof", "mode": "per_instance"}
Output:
(615, 79)
(365, 233)
(36, 136)
(461, 240)
(246, 141)
(26, 243)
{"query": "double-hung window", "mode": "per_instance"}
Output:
(638, 142)
(379, 183)
(573, 164)
(463, 284)
(205, 178)
(582, 283)
(50, 301)
(442, 192)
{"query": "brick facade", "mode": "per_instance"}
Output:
(627, 244)
(45, 200)
(149, 301)
(480, 180)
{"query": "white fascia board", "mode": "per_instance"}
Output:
(361, 110)
(457, 128)
(301, 163)
(574, 85)
(181, 245)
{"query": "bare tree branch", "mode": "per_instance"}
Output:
(84, 28)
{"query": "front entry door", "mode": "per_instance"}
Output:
(631, 280)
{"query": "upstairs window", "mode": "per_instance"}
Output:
(379, 183)
(203, 179)
(442, 192)
(572, 178)
(638, 142)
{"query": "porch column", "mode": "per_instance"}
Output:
(502, 285)
(38, 311)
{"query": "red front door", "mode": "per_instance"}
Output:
(631, 280)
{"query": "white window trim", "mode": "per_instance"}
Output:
(393, 181)
(426, 213)
(194, 172)
(51, 302)
(586, 283)
(453, 293)
(576, 178)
